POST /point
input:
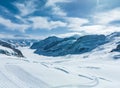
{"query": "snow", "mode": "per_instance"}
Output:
(6, 49)
(76, 71)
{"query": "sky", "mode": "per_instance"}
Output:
(42, 18)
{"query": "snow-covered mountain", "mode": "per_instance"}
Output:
(41, 44)
(53, 46)
(9, 49)
(21, 42)
(93, 62)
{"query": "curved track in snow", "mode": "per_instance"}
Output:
(33, 82)
(93, 83)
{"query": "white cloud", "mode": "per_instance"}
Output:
(101, 23)
(99, 29)
(13, 26)
(75, 23)
(93, 29)
(4, 35)
(107, 17)
(54, 2)
(27, 7)
(56, 9)
(44, 23)
(23, 36)
(24, 20)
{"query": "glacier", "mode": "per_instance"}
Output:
(96, 68)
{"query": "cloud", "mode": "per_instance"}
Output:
(58, 11)
(75, 23)
(30, 6)
(107, 17)
(45, 23)
(13, 26)
(21, 36)
(54, 2)
(27, 7)
(34, 17)
(99, 29)
(4, 35)
(55, 8)
(93, 29)
(101, 23)
(23, 20)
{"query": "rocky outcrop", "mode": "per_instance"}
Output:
(7, 48)
(117, 49)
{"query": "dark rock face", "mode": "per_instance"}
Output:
(4, 52)
(10, 46)
(117, 49)
(53, 46)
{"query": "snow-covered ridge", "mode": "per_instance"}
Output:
(54, 46)
(21, 42)
(9, 49)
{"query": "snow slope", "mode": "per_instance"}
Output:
(6, 49)
(37, 71)
(9, 49)
(98, 68)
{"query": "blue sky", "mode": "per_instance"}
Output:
(42, 18)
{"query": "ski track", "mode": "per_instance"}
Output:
(91, 84)
(61, 69)
(33, 82)
(23, 79)
(85, 77)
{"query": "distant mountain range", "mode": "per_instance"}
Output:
(21, 42)
(54, 46)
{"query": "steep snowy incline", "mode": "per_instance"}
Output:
(9, 49)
